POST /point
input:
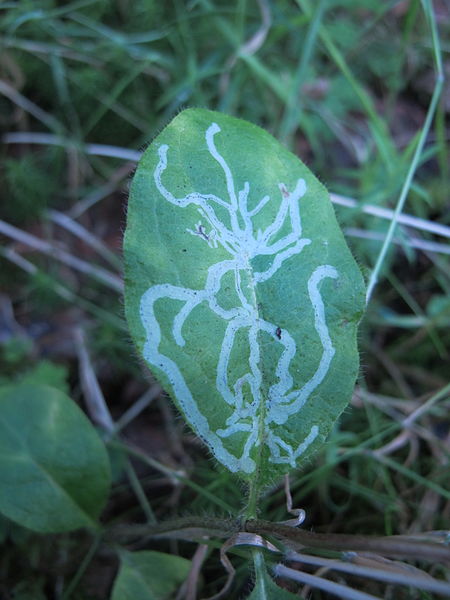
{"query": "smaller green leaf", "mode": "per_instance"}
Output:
(149, 575)
(46, 372)
(29, 590)
(54, 469)
(266, 589)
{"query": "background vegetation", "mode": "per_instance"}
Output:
(345, 84)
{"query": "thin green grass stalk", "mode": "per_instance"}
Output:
(428, 9)
(47, 49)
(131, 44)
(73, 584)
(140, 494)
(173, 474)
(377, 125)
(312, 480)
(240, 18)
(257, 66)
(189, 50)
(411, 20)
(293, 109)
(352, 488)
(424, 408)
(48, 14)
(383, 9)
(64, 292)
(441, 141)
(33, 109)
(115, 93)
(383, 475)
(437, 54)
(432, 332)
(220, 483)
(373, 280)
(410, 474)
(136, 408)
(59, 74)
(266, 76)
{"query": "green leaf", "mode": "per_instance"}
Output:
(54, 470)
(241, 292)
(29, 590)
(149, 575)
(266, 589)
(47, 373)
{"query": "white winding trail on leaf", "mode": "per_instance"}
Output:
(243, 245)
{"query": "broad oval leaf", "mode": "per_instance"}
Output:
(149, 575)
(54, 470)
(241, 292)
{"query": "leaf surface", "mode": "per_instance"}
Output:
(54, 470)
(149, 575)
(241, 293)
(266, 589)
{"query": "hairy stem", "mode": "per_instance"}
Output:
(393, 546)
(184, 528)
(194, 527)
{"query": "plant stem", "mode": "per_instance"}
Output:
(395, 546)
(259, 566)
(183, 528)
(253, 496)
